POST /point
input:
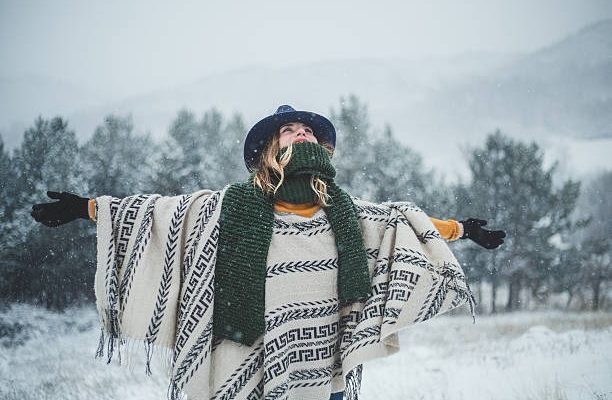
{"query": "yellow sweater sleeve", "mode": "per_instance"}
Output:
(449, 229)
(91, 207)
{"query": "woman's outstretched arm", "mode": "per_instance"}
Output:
(470, 228)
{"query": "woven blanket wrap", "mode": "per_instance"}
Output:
(154, 287)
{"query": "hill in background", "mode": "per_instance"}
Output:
(560, 95)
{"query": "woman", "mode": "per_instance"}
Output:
(278, 287)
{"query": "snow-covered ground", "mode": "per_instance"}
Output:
(517, 356)
(527, 356)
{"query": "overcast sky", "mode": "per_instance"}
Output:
(122, 48)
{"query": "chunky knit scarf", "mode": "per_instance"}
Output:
(246, 222)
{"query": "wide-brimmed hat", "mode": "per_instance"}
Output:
(262, 131)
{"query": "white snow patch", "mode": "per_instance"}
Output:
(516, 356)
(540, 355)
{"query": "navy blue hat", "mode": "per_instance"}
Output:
(262, 131)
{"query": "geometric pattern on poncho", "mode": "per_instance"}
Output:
(155, 285)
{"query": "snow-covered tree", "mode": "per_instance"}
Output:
(115, 161)
(46, 160)
(511, 187)
(221, 142)
(595, 241)
(353, 146)
(46, 265)
(8, 195)
(396, 172)
(230, 152)
(378, 167)
(205, 154)
(172, 174)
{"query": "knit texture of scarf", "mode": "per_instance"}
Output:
(246, 222)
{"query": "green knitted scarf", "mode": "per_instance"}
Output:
(246, 222)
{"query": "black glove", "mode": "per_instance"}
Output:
(68, 208)
(472, 229)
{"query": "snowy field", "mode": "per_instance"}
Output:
(519, 356)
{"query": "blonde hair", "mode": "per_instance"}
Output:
(268, 166)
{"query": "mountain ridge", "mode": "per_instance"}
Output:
(560, 90)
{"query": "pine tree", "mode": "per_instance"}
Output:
(8, 197)
(381, 168)
(232, 167)
(8, 207)
(170, 176)
(46, 160)
(353, 151)
(397, 173)
(115, 161)
(222, 150)
(595, 241)
(47, 266)
(205, 154)
(511, 188)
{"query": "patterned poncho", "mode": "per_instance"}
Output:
(155, 285)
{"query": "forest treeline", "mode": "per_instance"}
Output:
(559, 234)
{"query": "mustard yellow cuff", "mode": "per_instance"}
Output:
(91, 207)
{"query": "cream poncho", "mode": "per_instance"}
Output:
(154, 285)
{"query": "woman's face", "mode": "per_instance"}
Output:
(295, 132)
